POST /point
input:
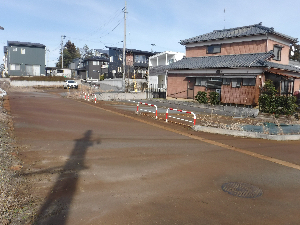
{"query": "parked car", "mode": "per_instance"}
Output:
(70, 84)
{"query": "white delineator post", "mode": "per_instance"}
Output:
(88, 97)
(178, 110)
(137, 110)
(95, 98)
(85, 96)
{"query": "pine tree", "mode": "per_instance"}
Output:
(70, 53)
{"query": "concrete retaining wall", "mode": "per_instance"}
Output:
(17, 83)
(121, 96)
(246, 134)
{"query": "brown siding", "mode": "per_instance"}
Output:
(245, 95)
(230, 49)
(129, 59)
(177, 86)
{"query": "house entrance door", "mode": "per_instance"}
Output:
(190, 93)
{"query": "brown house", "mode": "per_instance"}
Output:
(235, 63)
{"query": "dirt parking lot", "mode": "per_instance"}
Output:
(98, 164)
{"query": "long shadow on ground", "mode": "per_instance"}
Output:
(56, 207)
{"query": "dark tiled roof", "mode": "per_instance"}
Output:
(156, 70)
(223, 61)
(27, 44)
(256, 29)
(283, 67)
(230, 61)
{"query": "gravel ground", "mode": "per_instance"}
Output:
(17, 206)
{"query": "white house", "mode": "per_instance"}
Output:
(158, 68)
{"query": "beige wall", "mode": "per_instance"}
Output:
(230, 49)
(297, 85)
(284, 52)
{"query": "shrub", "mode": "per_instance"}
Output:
(201, 97)
(214, 98)
(270, 102)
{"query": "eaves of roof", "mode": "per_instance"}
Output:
(26, 44)
(283, 67)
(256, 29)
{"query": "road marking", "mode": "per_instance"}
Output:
(246, 152)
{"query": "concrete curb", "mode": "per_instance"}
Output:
(246, 134)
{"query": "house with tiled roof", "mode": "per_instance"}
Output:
(236, 63)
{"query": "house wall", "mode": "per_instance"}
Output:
(256, 46)
(297, 85)
(285, 52)
(177, 86)
(129, 59)
(32, 56)
(245, 95)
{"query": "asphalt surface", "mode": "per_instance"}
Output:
(98, 164)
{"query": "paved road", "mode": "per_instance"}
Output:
(95, 164)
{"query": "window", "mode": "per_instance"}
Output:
(201, 81)
(213, 49)
(140, 59)
(277, 52)
(15, 49)
(111, 59)
(33, 70)
(96, 63)
(249, 81)
(14, 66)
(236, 82)
(171, 61)
(23, 51)
(226, 81)
(218, 79)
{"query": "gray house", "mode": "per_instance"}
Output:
(93, 67)
(24, 59)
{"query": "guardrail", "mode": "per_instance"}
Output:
(137, 110)
(178, 110)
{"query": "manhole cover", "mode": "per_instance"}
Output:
(242, 190)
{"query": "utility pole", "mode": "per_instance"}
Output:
(62, 50)
(124, 46)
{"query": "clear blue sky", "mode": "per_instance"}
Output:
(161, 22)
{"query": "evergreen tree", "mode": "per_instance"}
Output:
(70, 53)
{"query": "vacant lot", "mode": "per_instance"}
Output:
(95, 164)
